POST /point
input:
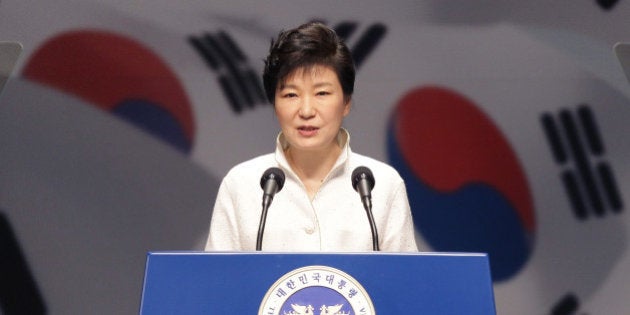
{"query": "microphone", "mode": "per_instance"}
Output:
(271, 182)
(363, 183)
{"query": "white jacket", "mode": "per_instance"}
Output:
(335, 220)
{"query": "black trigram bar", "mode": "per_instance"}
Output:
(367, 41)
(18, 291)
(573, 191)
(240, 84)
(567, 305)
(345, 29)
(608, 180)
(607, 4)
(581, 161)
(576, 140)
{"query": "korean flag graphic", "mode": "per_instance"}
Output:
(96, 126)
(518, 151)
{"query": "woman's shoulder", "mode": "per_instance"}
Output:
(379, 169)
(252, 167)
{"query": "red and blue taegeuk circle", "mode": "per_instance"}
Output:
(467, 190)
(119, 75)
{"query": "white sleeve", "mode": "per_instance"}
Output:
(224, 234)
(399, 235)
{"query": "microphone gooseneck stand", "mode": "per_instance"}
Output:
(261, 227)
(368, 210)
(363, 182)
(271, 182)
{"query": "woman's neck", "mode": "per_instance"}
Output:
(312, 167)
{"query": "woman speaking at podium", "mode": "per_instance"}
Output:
(325, 197)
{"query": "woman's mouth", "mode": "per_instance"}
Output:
(307, 131)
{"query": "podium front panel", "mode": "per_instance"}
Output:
(239, 283)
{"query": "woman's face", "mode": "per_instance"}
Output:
(310, 106)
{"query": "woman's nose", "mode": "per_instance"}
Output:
(306, 108)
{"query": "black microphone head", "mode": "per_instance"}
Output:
(360, 173)
(275, 174)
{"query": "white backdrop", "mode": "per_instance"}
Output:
(88, 194)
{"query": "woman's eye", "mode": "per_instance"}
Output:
(323, 93)
(289, 95)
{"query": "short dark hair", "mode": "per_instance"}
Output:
(310, 44)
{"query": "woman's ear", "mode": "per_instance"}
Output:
(348, 106)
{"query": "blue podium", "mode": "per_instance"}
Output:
(317, 283)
